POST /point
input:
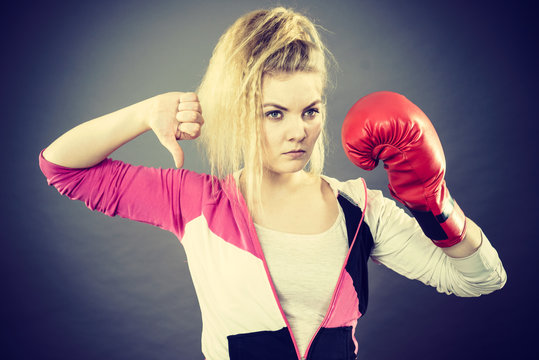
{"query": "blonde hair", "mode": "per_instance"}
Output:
(260, 42)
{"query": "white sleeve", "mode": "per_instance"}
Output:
(399, 244)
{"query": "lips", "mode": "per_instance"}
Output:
(295, 154)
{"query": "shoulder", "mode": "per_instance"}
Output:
(355, 190)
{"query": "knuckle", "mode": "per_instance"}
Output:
(189, 106)
(188, 96)
(188, 116)
(191, 129)
(186, 127)
(183, 116)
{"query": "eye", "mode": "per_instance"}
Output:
(274, 114)
(311, 113)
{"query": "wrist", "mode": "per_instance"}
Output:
(441, 219)
(141, 113)
(470, 243)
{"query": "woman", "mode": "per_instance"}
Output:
(277, 251)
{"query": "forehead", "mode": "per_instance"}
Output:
(286, 88)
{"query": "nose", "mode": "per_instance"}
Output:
(296, 130)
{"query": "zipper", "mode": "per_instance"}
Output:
(339, 281)
(258, 247)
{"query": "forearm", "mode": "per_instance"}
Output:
(89, 143)
(468, 245)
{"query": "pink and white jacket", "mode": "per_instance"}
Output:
(241, 314)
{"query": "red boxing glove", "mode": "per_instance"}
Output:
(387, 126)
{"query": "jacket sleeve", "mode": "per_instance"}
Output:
(401, 246)
(167, 198)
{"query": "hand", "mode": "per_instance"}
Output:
(387, 126)
(175, 116)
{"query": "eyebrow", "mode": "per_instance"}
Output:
(285, 109)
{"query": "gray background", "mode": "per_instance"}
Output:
(80, 285)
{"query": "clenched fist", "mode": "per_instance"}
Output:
(175, 116)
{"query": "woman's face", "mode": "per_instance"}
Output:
(292, 108)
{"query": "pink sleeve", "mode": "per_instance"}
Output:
(167, 198)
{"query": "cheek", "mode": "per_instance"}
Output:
(315, 130)
(267, 140)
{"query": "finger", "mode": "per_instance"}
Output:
(189, 117)
(190, 106)
(188, 96)
(189, 131)
(170, 143)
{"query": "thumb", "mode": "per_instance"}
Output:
(174, 148)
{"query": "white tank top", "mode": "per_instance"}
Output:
(305, 270)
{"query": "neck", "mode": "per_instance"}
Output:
(281, 186)
(274, 183)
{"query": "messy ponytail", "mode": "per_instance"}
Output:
(261, 42)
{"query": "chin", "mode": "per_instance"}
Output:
(291, 168)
